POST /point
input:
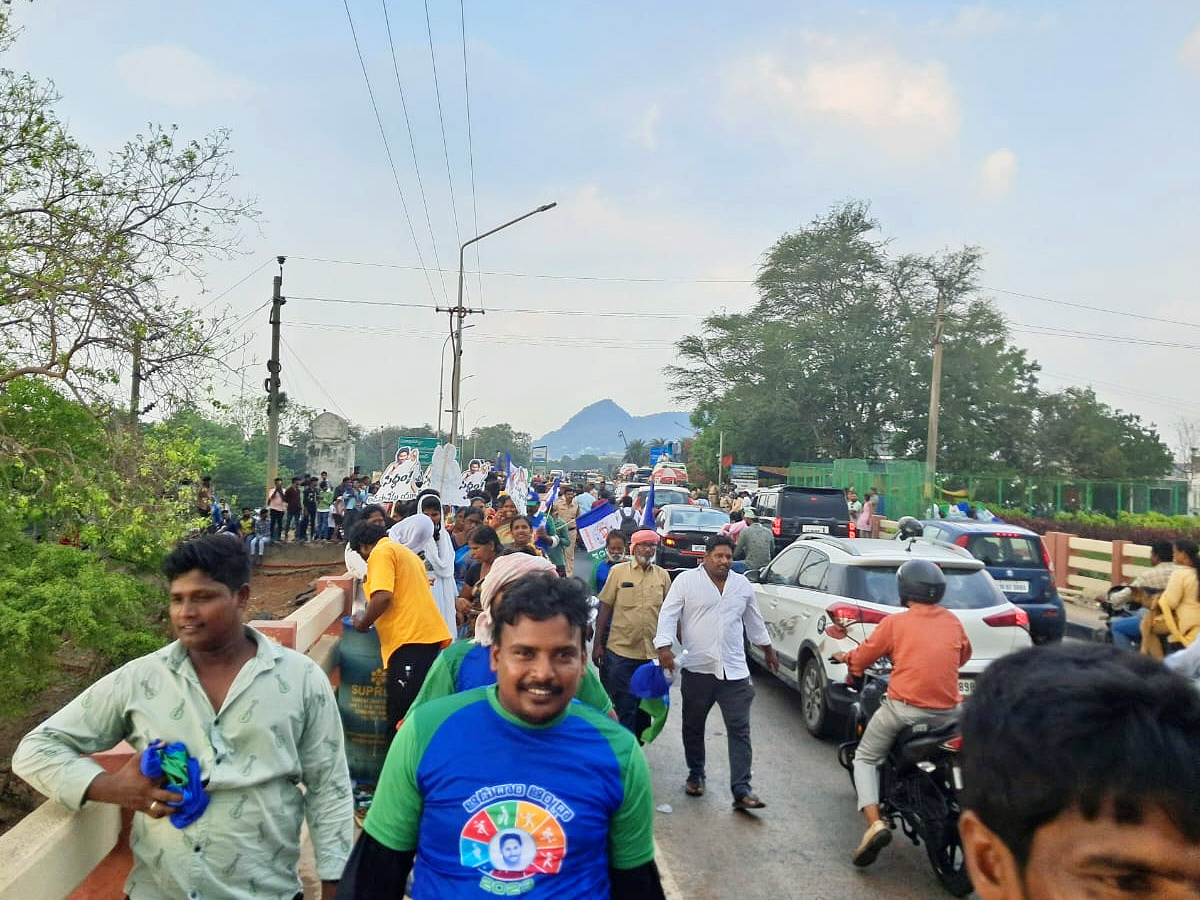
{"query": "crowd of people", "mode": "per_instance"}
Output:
(498, 783)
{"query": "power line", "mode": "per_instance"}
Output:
(296, 358)
(237, 284)
(413, 145)
(1091, 336)
(1091, 308)
(540, 341)
(658, 280)
(387, 147)
(442, 120)
(523, 311)
(462, 17)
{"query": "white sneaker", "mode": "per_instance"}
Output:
(876, 837)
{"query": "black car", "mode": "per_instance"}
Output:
(792, 511)
(683, 531)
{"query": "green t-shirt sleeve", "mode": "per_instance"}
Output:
(631, 834)
(442, 678)
(592, 692)
(395, 815)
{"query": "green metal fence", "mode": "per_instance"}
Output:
(901, 486)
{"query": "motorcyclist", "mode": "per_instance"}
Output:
(927, 645)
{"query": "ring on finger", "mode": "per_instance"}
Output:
(153, 805)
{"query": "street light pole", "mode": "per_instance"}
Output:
(459, 312)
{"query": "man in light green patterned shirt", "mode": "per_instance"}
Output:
(260, 719)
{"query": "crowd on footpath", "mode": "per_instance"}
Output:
(521, 693)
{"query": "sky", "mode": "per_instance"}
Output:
(679, 140)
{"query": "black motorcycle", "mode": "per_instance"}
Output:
(1115, 610)
(918, 782)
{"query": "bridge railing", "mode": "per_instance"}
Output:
(53, 853)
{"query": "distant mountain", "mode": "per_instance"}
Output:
(594, 430)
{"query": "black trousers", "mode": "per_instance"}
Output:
(406, 669)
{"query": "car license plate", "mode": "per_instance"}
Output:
(1013, 587)
(966, 686)
(818, 529)
(697, 548)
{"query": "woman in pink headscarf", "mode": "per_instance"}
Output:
(466, 663)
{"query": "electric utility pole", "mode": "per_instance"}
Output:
(272, 382)
(935, 395)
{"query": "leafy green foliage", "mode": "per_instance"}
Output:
(1140, 528)
(834, 361)
(51, 595)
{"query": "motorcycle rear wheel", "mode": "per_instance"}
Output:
(945, 851)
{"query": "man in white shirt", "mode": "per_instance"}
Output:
(711, 606)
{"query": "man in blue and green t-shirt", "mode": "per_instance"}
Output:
(514, 789)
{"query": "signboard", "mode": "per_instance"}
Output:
(736, 472)
(745, 484)
(539, 459)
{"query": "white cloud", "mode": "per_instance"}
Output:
(175, 76)
(998, 172)
(977, 19)
(1189, 50)
(646, 133)
(901, 107)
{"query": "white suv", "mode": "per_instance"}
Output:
(823, 594)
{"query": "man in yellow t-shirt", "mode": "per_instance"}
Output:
(401, 607)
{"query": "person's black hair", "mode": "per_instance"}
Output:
(365, 534)
(476, 495)
(1162, 549)
(405, 508)
(485, 534)
(618, 534)
(372, 508)
(263, 511)
(735, 516)
(1190, 550)
(520, 518)
(430, 501)
(540, 597)
(627, 501)
(221, 559)
(1086, 727)
(718, 540)
(206, 479)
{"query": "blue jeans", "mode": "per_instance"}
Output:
(615, 677)
(1126, 632)
(322, 531)
(291, 523)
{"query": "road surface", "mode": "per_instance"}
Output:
(797, 848)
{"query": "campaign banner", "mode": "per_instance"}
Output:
(657, 452)
(593, 528)
(476, 474)
(742, 471)
(403, 477)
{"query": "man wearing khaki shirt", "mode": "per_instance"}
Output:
(567, 510)
(632, 597)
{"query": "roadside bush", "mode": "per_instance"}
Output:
(1141, 528)
(53, 595)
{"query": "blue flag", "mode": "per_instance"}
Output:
(648, 512)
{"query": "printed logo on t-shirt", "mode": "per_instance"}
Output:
(513, 836)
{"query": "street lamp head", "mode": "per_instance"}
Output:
(547, 206)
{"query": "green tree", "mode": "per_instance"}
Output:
(637, 452)
(834, 359)
(1075, 435)
(488, 440)
(91, 250)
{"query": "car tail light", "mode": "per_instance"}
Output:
(777, 527)
(1010, 618)
(843, 615)
(1046, 557)
(953, 744)
(669, 541)
(851, 529)
(961, 541)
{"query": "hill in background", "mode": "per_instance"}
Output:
(594, 430)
